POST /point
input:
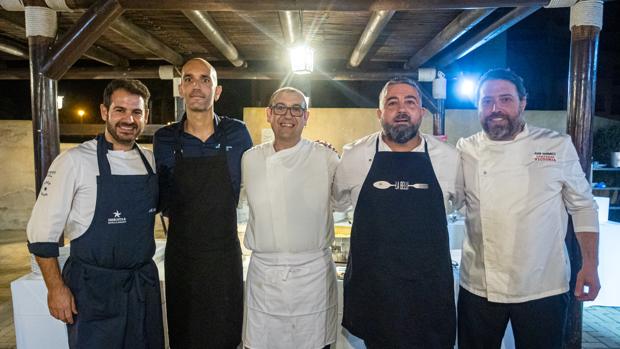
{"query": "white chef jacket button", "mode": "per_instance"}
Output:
(484, 172)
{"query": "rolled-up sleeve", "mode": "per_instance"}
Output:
(51, 210)
(577, 193)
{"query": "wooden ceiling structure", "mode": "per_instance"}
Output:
(353, 40)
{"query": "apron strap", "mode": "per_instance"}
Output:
(102, 158)
(104, 163)
(149, 169)
(424, 139)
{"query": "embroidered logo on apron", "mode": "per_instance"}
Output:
(399, 185)
(117, 219)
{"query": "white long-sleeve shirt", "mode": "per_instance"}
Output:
(288, 194)
(517, 196)
(357, 158)
(69, 192)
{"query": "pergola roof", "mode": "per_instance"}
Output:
(385, 35)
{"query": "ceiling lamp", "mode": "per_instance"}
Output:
(302, 59)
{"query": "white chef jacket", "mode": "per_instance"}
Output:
(69, 192)
(288, 195)
(517, 195)
(291, 292)
(357, 158)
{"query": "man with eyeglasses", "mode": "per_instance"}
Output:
(199, 163)
(398, 286)
(291, 283)
(519, 184)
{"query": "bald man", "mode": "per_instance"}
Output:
(199, 162)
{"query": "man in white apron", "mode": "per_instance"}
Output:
(291, 283)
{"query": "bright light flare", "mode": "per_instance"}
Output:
(466, 88)
(302, 59)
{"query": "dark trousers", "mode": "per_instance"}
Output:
(535, 324)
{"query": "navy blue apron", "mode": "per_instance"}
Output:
(398, 286)
(111, 272)
(204, 273)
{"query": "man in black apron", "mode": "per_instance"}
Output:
(109, 291)
(398, 287)
(200, 162)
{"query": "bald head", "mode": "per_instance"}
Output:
(199, 86)
(199, 63)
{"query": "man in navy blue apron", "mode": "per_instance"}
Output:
(103, 194)
(398, 286)
(200, 159)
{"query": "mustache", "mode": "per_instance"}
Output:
(496, 114)
(126, 124)
(196, 94)
(402, 117)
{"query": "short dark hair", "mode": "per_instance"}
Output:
(396, 81)
(132, 86)
(288, 89)
(503, 74)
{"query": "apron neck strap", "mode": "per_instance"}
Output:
(102, 159)
(423, 139)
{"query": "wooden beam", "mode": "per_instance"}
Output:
(104, 56)
(207, 26)
(311, 5)
(43, 92)
(81, 37)
(459, 26)
(145, 39)
(222, 73)
(13, 48)
(378, 20)
(502, 24)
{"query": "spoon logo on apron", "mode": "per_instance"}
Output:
(117, 219)
(399, 185)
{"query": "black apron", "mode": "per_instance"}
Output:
(110, 271)
(204, 274)
(398, 286)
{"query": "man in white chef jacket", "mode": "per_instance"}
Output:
(103, 195)
(291, 282)
(520, 183)
(399, 287)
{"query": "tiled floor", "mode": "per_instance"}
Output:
(601, 325)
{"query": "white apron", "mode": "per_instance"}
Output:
(291, 301)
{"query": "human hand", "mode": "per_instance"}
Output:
(61, 304)
(587, 277)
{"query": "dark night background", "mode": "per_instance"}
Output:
(537, 48)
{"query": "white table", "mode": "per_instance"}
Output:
(35, 328)
(609, 261)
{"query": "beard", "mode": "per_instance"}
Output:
(122, 138)
(400, 134)
(502, 132)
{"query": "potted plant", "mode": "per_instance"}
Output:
(606, 146)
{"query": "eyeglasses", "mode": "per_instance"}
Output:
(281, 109)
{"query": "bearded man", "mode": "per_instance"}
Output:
(519, 184)
(103, 195)
(398, 286)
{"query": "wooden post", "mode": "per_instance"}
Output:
(585, 24)
(40, 30)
